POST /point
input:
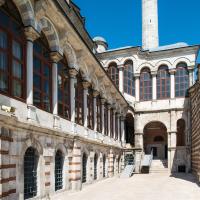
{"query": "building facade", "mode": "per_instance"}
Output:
(71, 109)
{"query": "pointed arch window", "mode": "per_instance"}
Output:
(90, 104)
(113, 72)
(12, 53)
(30, 173)
(79, 100)
(163, 83)
(59, 170)
(129, 81)
(181, 80)
(63, 90)
(145, 85)
(42, 75)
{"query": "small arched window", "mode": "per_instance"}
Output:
(90, 103)
(79, 100)
(95, 166)
(42, 74)
(84, 168)
(181, 80)
(145, 85)
(181, 132)
(63, 90)
(129, 82)
(163, 83)
(30, 173)
(12, 52)
(59, 170)
(113, 72)
(104, 166)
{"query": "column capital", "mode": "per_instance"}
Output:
(55, 56)
(154, 73)
(103, 101)
(2, 2)
(190, 68)
(122, 118)
(137, 75)
(118, 115)
(95, 93)
(30, 33)
(86, 84)
(120, 67)
(172, 71)
(73, 72)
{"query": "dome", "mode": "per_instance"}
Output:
(99, 39)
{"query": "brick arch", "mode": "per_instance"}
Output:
(46, 26)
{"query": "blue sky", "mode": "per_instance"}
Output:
(119, 21)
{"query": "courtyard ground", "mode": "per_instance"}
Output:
(140, 187)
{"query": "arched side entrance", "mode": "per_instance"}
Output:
(155, 140)
(129, 129)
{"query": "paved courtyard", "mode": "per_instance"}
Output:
(139, 187)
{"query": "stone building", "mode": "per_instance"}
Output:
(195, 117)
(71, 109)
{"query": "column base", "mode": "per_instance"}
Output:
(56, 122)
(31, 115)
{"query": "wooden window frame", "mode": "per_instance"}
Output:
(106, 119)
(99, 114)
(163, 78)
(90, 105)
(116, 127)
(111, 123)
(11, 37)
(145, 96)
(113, 72)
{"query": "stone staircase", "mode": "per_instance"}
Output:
(159, 166)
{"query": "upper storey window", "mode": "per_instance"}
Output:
(163, 83)
(145, 85)
(99, 114)
(113, 72)
(79, 100)
(42, 75)
(129, 83)
(181, 80)
(12, 53)
(90, 105)
(63, 89)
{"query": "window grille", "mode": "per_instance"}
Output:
(84, 168)
(104, 166)
(95, 166)
(58, 171)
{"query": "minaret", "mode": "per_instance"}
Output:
(150, 38)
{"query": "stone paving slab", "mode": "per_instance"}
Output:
(139, 187)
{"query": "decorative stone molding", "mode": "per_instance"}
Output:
(56, 122)
(31, 116)
(2, 2)
(55, 56)
(95, 93)
(172, 71)
(73, 72)
(86, 84)
(154, 73)
(137, 75)
(103, 101)
(31, 34)
(120, 67)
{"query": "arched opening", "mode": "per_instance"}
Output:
(129, 129)
(180, 132)
(30, 173)
(12, 52)
(95, 166)
(155, 140)
(59, 170)
(113, 72)
(90, 106)
(113, 165)
(104, 166)
(118, 165)
(84, 168)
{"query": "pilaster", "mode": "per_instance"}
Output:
(137, 87)
(172, 83)
(95, 94)
(154, 88)
(121, 78)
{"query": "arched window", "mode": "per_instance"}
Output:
(63, 90)
(181, 80)
(84, 168)
(116, 126)
(90, 103)
(12, 53)
(42, 75)
(145, 85)
(95, 166)
(181, 132)
(79, 100)
(163, 83)
(129, 82)
(104, 166)
(113, 72)
(106, 119)
(30, 173)
(59, 170)
(99, 113)
(111, 123)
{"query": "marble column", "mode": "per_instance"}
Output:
(114, 131)
(31, 36)
(154, 88)
(73, 72)
(102, 116)
(172, 83)
(137, 87)
(191, 76)
(109, 129)
(95, 94)
(86, 85)
(121, 78)
(123, 130)
(118, 121)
